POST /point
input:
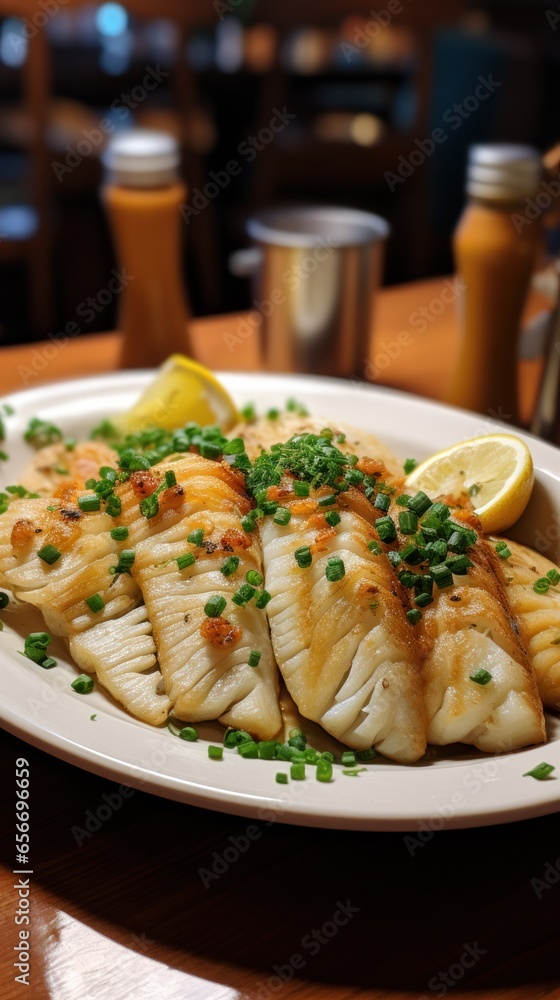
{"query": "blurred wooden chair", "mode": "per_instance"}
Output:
(32, 124)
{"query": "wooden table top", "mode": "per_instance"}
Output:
(126, 914)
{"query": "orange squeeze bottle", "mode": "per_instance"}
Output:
(496, 245)
(143, 196)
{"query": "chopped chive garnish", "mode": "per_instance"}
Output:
(303, 556)
(188, 733)
(126, 559)
(375, 547)
(301, 489)
(95, 603)
(335, 569)
(554, 577)
(402, 501)
(419, 503)
(149, 506)
(114, 506)
(412, 555)
(441, 510)
(436, 551)
(481, 677)
(394, 558)
(266, 749)
(382, 502)
(407, 578)
(423, 600)
(230, 565)
(503, 550)
(541, 586)
(83, 684)
(215, 753)
(35, 648)
(246, 592)
(248, 523)
(269, 506)
(442, 575)
(170, 479)
(4, 600)
(89, 504)
(188, 559)
(254, 578)
(214, 606)
(409, 465)
(233, 737)
(234, 447)
(250, 750)
(263, 599)
(248, 412)
(195, 537)
(414, 616)
(354, 477)
(297, 772)
(327, 501)
(332, 518)
(119, 534)
(459, 565)
(272, 414)
(386, 529)
(40, 433)
(540, 772)
(348, 758)
(281, 778)
(324, 769)
(254, 658)
(408, 522)
(367, 754)
(282, 515)
(340, 438)
(49, 554)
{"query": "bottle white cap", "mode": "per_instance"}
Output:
(503, 172)
(142, 157)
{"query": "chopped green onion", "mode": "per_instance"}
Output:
(348, 758)
(503, 551)
(341, 438)
(246, 592)
(40, 433)
(327, 501)
(254, 578)
(332, 518)
(424, 584)
(266, 749)
(233, 737)
(353, 772)
(188, 733)
(301, 489)
(335, 569)
(402, 501)
(354, 477)
(248, 523)
(263, 599)
(49, 554)
(382, 502)
(4, 600)
(540, 772)
(272, 414)
(394, 558)
(83, 684)
(281, 516)
(234, 447)
(459, 565)
(35, 648)
(95, 603)
(554, 577)
(386, 529)
(297, 772)
(375, 547)
(414, 616)
(149, 506)
(214, 606)
(474, 489)
(248, 412)
(215, 753)
(541, 586)
(254, 658)
(412, 555)
(249, 750)
(442, 575)
(126, 559)
(303, 556)
(407, 578)
(281, 778)
(195, 537)
(89, 504)
(408, 522)
(409, 465)
(423, 600)
(188, 559)
(324, 769)
(481, 677)
(419, 503)
(436, 551)
(230, 565)
(170, 479)
(114, 506)
(367, 754)
(441, 510)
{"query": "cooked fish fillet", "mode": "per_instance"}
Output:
(262, 433)
(468, 627)
(87, 553)
(203, 660)
(345, 648)
(538, 615)
(55, 465)
(122, 653)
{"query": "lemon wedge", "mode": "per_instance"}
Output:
(495, 470)
(182, 391)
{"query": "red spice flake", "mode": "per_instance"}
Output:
(235, 539)
(219, 632)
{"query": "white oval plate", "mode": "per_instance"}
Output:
(453, 788)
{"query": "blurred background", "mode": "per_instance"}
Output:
(317, 101)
